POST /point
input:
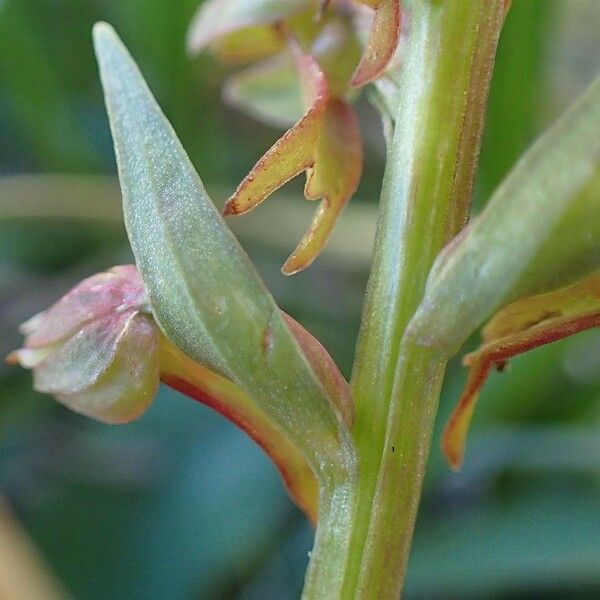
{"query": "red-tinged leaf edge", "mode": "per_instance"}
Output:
(326, 370)
(211, 389)
(518, 328)
(381, 44)
(297, 477)
(294, 151)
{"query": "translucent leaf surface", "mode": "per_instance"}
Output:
(268, 91)
(95, 349)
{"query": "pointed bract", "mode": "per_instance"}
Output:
(205, 294)
(521, 326)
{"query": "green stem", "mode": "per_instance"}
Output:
(426, 194)
(328, 561)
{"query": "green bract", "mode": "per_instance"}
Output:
(519, 245)
(207, 297)
(204, 292)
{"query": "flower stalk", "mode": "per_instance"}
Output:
(425, 200)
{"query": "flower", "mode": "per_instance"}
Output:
(325, 48)
(100, 352)
(96, 349)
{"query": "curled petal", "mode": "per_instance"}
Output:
(95, 350)
(120, 288)
(129, 385)
(325, 143)
(76, 363)
(334, 176)
(521, 326)
(381, 44)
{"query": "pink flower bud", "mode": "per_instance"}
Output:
(96, 349)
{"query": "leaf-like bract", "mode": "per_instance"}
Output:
(204, 292)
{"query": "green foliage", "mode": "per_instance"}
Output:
(204, 292)
(524, 509)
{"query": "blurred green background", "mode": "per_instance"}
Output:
(180, 504)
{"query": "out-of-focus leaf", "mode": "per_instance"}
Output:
(60, 197)
(270, 90)
(514, 100)
(23, 573)
(96, 200)
(520, 327)
(258, 41)
(382, 42)
(326, 144)
(36, 98)
(543, 541)
(484, 268)
(248, 44)
(204, 292)
(215, 18)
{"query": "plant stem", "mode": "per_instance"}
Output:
(328, 561)
(425, 200)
